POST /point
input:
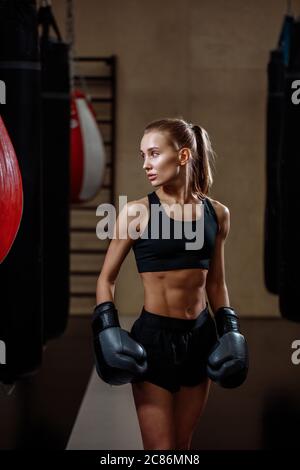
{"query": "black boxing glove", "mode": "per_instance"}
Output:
(118, 357)
(228, 360)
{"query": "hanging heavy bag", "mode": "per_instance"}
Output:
(289, 189)
(275, 104)
(21, 270)
(56, 174)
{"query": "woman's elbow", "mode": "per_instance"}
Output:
(216, 286)
(106, 280)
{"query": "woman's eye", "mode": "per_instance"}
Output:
(156, 154)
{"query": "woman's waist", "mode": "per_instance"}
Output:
(177, 279)
(159, 318)
(185, 306)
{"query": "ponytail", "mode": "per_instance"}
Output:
(200, 170)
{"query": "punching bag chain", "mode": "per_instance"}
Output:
(70, 38)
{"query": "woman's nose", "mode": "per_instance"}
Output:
(146, 165)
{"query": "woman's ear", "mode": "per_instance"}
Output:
(184, 155)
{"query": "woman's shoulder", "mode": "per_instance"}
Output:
(135, 205)
(221, 211)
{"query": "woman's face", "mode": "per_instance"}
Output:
(160, 160)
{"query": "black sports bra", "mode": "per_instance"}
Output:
(155, 252)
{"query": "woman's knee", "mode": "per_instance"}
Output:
(157, 432)
(183, 444)
(163, 443)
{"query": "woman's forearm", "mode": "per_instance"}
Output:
(217, 296)
(105, 290)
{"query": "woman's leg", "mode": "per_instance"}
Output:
(154, 406)
(189, 403)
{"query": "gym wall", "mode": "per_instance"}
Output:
(173, 61)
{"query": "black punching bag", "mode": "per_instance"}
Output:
(289, 188)
(56, 174)
(275, 107)
(21, 270)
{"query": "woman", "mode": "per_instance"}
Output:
(169, 344)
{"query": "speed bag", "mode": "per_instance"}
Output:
(87, 150)
(11, 193)
(21, 270)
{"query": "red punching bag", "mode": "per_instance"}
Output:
(87, 150)
(11, 193)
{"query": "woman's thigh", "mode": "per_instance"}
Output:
(155, 411)
(189, 404)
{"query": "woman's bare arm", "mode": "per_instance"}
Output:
(117, 251)
(216, 288)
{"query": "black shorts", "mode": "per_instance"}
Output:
(177, 349)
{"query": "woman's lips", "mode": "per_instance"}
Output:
(152, 177)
